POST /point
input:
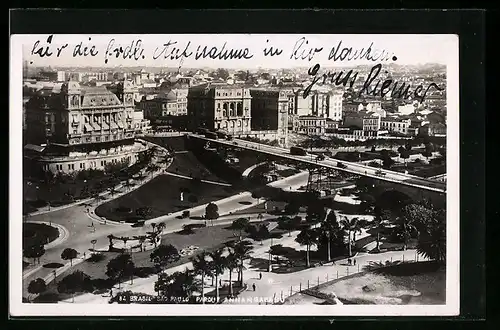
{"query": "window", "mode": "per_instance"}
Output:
(98, 138)
(106, 138)
(75, 131)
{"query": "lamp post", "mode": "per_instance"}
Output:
(270, 268)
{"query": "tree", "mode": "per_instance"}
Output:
(405, 227)
(211, 212)
(262, 233)
(93, 242)
(307, 237)
(201, 266)
(37, 286)
(34, 251)
(331, 229)
(231, 263)
(350, 226)
(387, 162)
(69, 254)
(242, 251)
(405, 155)
(75, 282)
(379, 223)
(144, 212)
(160, 227)
(120, 267)
(176, 285)
(285, 223)
(240, 224)
(432, 240)
(164, 255)
(217, 266)
(315, 211)
(292, 208)
(222, 73)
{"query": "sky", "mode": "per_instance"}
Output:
(400, 49)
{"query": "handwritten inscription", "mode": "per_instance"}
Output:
(370, 87)
(85, 50)
(223, 53)
(170, 50)
(303, 51)
(339, 53)
(133, 51)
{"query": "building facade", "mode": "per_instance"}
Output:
(82, 123)
(269, 111)
(220, 107)
(395, 125)
(310, 125)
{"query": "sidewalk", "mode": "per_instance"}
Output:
(87, 200)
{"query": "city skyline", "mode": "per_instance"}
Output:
(392, 49)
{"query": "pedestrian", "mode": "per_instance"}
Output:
(84, 255)
(111, 292)
(349, 261)
(253, 286)
(220, 282)
(354, 260)
(260, 276)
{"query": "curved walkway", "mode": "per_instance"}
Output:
(104, 193)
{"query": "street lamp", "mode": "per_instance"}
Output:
(270, 268)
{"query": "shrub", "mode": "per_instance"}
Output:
(96, 257)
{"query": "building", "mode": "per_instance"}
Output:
(141, 125)
(363, 123)
(269, 111)
(81, 128)
(406, 109)
(395, 125)
(159, 106)
(437, 129)
(310, 125)
(220, 107)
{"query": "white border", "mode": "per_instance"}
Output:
(17, 308)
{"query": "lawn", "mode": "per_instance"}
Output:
(418, 283)
(187, 164)
(38, 233)
(162, 195)
(176, 143)
(206, 239)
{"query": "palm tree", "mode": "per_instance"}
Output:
(406, 226)
(160, 227)
(307, 237)
(231, 262)
(142, 239)
(242, 251)
(112, 191)
(432, 239)
(350, 226)
(93, 242)
(331, 229)
(217, 266)
(201, 266)
(379, 223)
(153, 238)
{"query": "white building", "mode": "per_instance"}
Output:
(396, 125)
(406, 109)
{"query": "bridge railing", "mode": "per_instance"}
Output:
(348, 170)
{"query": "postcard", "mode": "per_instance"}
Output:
(234, 174)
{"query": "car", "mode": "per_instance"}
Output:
(186, 214)
(320, 157)
(138, 224)
(341, 165)
(235, 143)
(379, 172)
